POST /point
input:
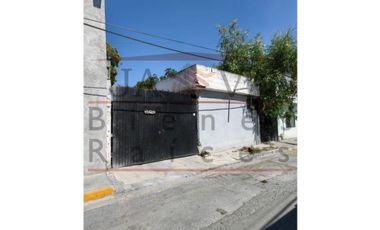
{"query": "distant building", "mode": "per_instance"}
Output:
(287, 128)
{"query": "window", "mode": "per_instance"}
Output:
(290, 122)
(97, 3)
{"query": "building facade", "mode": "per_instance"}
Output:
(96, 90)
(226, 111)
(287, 127)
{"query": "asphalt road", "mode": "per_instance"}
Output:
(247, 199)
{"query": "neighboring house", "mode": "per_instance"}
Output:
(226, 111)
(287, 128)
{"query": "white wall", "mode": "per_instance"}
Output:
(226, 134)
(223, 81)
(213, 87)
(199, 76)
(285, 132)
(184, 80)
(95, 83)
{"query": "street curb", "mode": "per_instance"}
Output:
(134, 188)
(285, 205)
(266, 217)
(98, 194)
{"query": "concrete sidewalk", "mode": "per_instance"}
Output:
(258, 191)
(169, 172)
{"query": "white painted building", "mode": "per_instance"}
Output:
(226, 113)
(287, 128)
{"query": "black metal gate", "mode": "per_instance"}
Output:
(149, 126)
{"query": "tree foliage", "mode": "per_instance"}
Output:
(169, 72)
(153, 79)
(148, 83)
(114, 57)
(273, 68)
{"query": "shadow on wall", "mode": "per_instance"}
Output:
(268, 128)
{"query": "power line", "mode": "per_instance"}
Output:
(152, 35)
(151, 44)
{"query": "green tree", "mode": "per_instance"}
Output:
(152, 80)
(114, 57)
(170, 72)
(148, 83)
(273, 68)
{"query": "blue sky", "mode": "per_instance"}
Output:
(192, 21)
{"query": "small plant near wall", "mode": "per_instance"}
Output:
(204, 154)
(253, 150)
(114, 58)
(250, 149)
